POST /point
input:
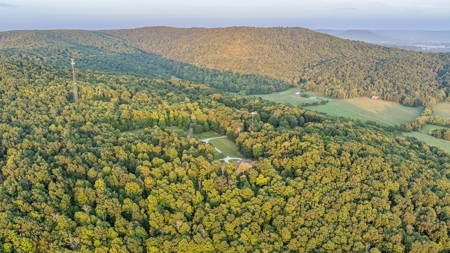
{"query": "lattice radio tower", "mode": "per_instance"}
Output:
(75, 90)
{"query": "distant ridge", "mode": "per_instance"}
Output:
(330, 31)
(366, 36)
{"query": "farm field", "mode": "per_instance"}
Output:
(363, 108)
(430, 140)
(442, 110)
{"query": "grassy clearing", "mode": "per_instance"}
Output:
(287, 97)
(228, 147)
(175, 78)
(218, 156)
(177, 130)
(442, 110)
(430, 140)
(135, 132)
(426, 128)
(205, 135)
(363, 108)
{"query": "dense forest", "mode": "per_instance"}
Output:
(101, 52)
(247, 60)
(106, 174)
(335, 67)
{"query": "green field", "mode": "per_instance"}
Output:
(442, 110)
(287, 97)
(430, 140)
(225, 145)
(205, 135)
(363, 108)
(426, 128)
(228, 147)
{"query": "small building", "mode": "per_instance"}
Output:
(297, 94)
(374, 97)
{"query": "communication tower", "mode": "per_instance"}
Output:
(75, 90)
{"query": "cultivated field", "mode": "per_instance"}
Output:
(363, 108)
(442, 110)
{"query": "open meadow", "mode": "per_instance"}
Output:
(427, 128)
(442, 110)
(363, 108)
(430, 140)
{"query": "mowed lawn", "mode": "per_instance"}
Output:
(363, 108)
(442, 110)
(430, 140)
(228, 147)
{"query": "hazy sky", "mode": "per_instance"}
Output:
(313, 14)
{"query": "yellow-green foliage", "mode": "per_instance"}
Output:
(78, 177)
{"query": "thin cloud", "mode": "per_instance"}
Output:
(6, 5)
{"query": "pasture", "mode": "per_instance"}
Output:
(430, 140)
(363, 108)
(442, 110)
(426, 128)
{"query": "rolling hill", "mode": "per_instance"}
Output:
(102, 52)
(366, 36)
(250, 60)
(323, 63)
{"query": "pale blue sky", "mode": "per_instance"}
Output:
(313, 14)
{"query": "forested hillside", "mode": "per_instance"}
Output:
(78, 177)
(326, 64)
(247, 60)
(102, 52)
